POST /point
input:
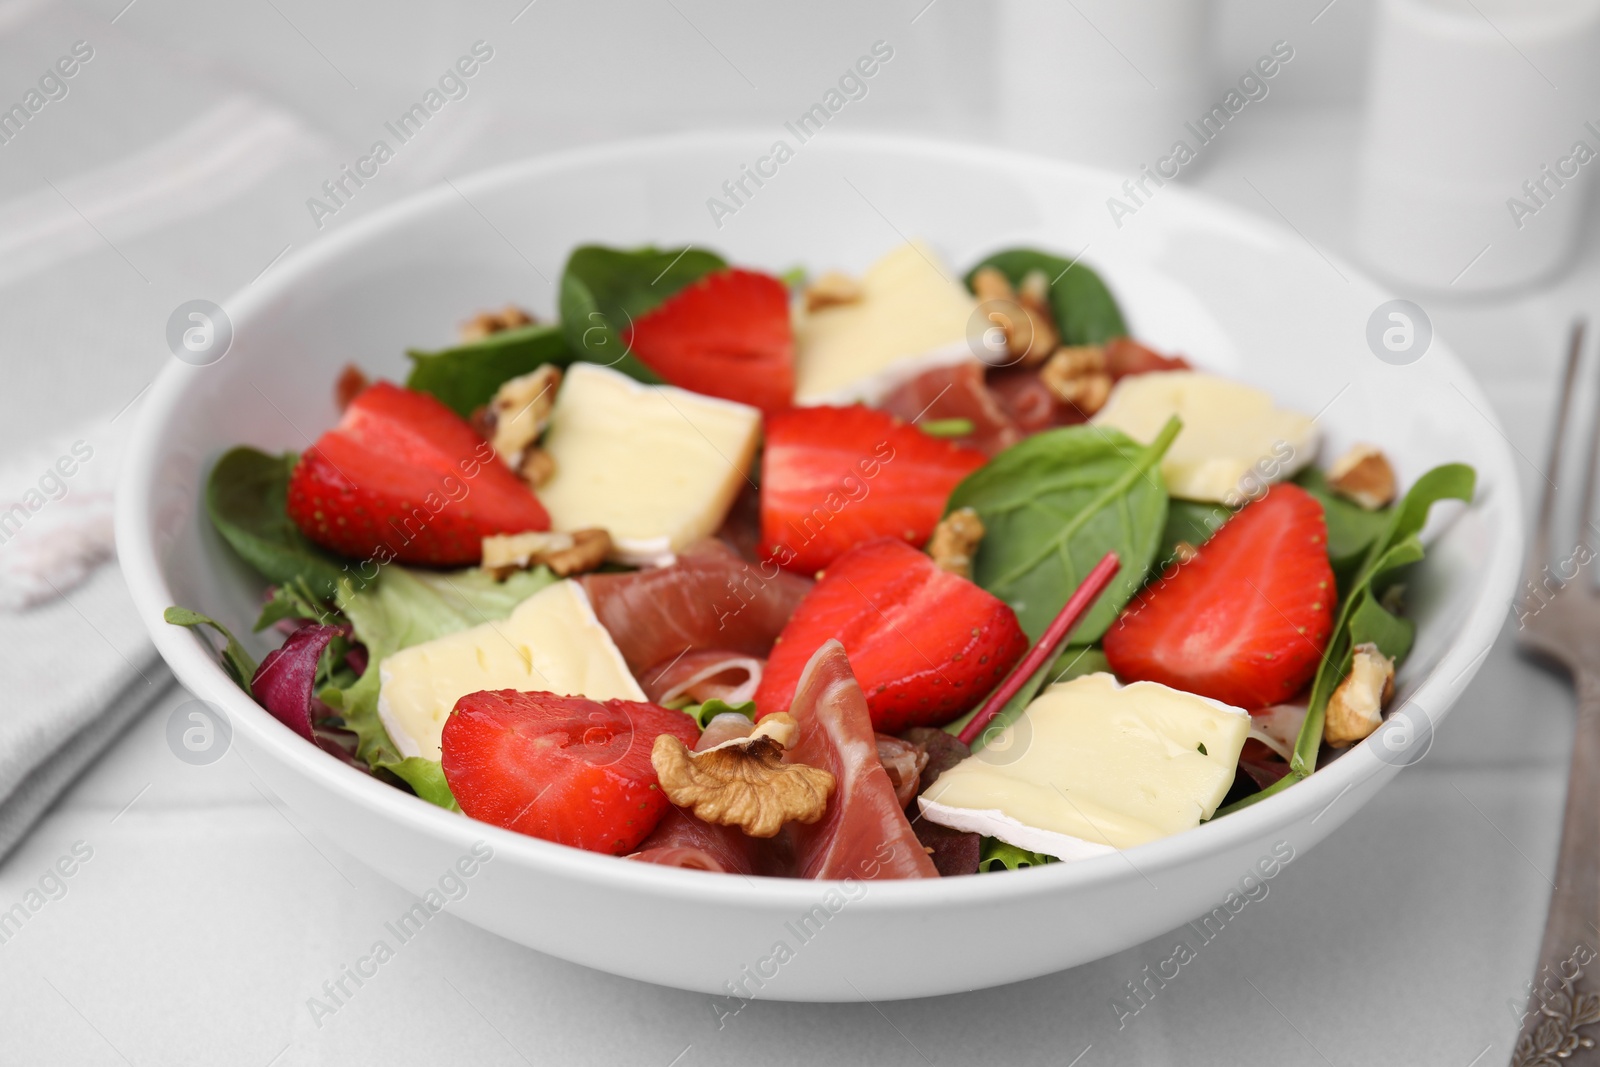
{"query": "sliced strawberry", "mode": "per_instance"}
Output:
(925, 645)
(566, 769)
(1246, 620)
(832, 478)
(726, 335)
(402, 477)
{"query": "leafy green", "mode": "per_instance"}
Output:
(1076, 661)
(1053, 505)
(995, 855)
(603, 290)
(704, 713)
(241, 667)
(1085, 311)
(407, 608)
(1190, 521)
(466, 377)
(247, 498)
(1351, 528)
(426, 779)
(1362, 615)
(946, 427)
(293, 600)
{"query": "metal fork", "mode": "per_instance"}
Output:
(1559, 617)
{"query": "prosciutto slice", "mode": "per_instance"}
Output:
(864, 834)
(681, 840)
(956, 392)
(709, 599)
(713, 674)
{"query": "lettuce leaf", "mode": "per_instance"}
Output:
(704, 713)
(407, 608)
(239, 664)
(995, 855)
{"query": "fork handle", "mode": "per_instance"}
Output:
(1559, 1023)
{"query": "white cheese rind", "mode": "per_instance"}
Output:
(1234, 440)
(552, 642)
(1094, 763)
(655, 466)
(911, 305)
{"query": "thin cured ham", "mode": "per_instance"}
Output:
(865, 834)
(713, 674)
(681, 840)
(1125, 356)
(956, 392)
(709, 599)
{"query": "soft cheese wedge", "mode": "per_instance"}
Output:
(551, 643)
(911, 306)
(1234, 438)
(655, 466)
(1092, 766)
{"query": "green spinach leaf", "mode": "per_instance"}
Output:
(247, 497)
(1053, 505)
(465, 377)
(1085, 311)
(1192, 522)
(1351, 528)
(603, 290)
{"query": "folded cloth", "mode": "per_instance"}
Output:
(78, 669)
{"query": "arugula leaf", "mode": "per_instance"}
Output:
(1085, 311)
(239, 664)
(1053, 505)
(603, 290)
(407, 608)
(247, 498)
(702, 714)
(996, 855)
(466, 376)
(1361, 614)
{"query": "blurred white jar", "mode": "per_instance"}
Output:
(1481, 140)
(1101, 81)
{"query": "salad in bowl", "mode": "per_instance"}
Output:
(911, 574)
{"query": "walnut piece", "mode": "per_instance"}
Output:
(563, 553)
(537, 466)
(487, 323)
(1356, 707)
(1077, 375)
(1363, 475)
(833, 289)
(520, 411)
(955, 541)
(1025, 320)
(744, 782)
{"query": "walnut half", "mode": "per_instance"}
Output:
(1364, 475)
(520, 411)
(487, 323)
(1077, 376)
(563, 553)
(955, 541)
(1356, 707)
(1025, 319)
(744, 782)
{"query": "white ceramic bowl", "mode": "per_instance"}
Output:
(1237, 295)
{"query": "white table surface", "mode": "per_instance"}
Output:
(208, 914)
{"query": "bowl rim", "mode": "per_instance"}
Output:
(197, 668)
